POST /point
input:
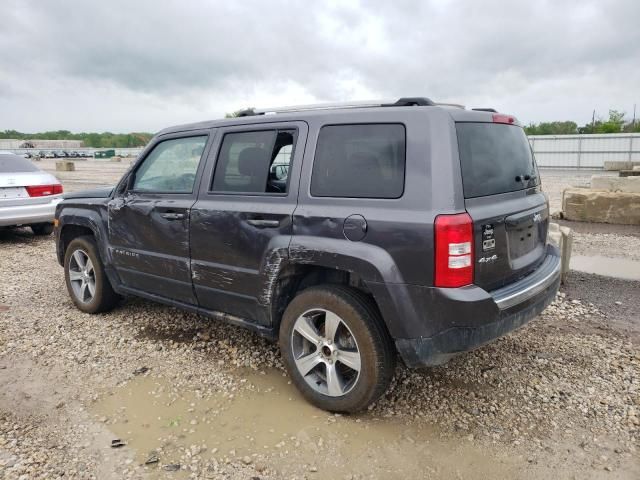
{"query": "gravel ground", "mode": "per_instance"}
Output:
(559, 397)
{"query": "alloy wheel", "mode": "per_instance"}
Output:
(325, 352)
(82, 276)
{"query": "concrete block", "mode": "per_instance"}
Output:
(65, 166)
(115, 159)
(636, 168)
(616, 184)
(619, 165)
(581, 204)
(565, 250)
(562, 237)
(629, 173)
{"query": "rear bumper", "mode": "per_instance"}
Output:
(28, 214)
(495, 314)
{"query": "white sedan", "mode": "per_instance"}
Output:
(28, 196)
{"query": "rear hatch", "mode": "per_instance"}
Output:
(503, 197)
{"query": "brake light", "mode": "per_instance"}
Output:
(502, 118)
(44, 190)
(454, 250)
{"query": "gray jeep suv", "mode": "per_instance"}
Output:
(349, 233)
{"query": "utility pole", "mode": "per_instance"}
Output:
(633, 122)
(593, 122)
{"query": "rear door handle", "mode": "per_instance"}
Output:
(264, 223)
(173, 215)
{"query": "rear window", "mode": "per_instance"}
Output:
(495, 159)
(10, 163)
(359, 161)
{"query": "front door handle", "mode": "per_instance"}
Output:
(173, 216)
(264, 223)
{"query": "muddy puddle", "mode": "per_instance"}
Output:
(270, 423)
(623, 268)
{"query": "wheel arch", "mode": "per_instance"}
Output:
(74, 222)
(293, 278)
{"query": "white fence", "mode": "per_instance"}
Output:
(584, 151)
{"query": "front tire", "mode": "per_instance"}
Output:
(336, 348)
(87, 283)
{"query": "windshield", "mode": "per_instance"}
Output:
(495, 158)
(10, 163)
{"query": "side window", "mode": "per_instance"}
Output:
(254, 162)
(171, 166)
(360, 161)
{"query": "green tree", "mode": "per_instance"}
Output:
(613, 125)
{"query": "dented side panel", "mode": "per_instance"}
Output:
(239, 242)
(150, 252)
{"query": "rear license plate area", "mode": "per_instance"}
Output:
(12, 192)
(522, 240)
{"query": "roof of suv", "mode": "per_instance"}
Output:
(457, 112)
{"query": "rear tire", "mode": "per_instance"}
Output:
(336, 348)
(87, 283)
(42, 228)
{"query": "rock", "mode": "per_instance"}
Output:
(616, 184)
(65, 166)
(247, 460)
(612, 165)
(585, 205)
(171, 467)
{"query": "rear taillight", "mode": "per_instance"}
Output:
(454, 250)
(44, 190)
(502, 118)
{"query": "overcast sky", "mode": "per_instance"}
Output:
(144, 65)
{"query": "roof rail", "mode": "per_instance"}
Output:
(485, 110)
(402, 102)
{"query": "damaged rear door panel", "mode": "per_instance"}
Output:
(149, 218)
(241, 229)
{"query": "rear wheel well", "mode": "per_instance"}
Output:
(295, 278)
(69, 232)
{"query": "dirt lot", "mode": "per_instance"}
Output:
(198, 399)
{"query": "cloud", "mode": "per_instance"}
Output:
(143, 65)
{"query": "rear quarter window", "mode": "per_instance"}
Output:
(494, 158)
(359, 161)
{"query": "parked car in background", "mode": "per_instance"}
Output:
(28, 196)
(410, 228)
(49, 155)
